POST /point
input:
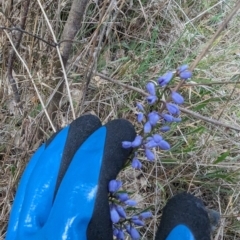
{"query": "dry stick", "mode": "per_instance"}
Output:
(69, 30)
(30, 76)
(12, 53)
(92, 63)
(187, 111)
(30, 34)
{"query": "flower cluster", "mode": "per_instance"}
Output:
(119, 202)
(156, 122)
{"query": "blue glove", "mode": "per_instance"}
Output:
(63, 193)
(184, 218)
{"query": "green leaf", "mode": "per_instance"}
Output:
(222, 157)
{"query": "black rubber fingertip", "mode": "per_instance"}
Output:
(188, 210)
(79, 130)
(115, 156)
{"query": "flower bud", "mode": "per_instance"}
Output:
(151, 99)
(136, 163)
(137, 141)
(150, 155)
(147, 127)
(114, 215)
(185, 75)
(177, 98)
(173, 109)
(114, 185)
(126, 144)
(165, 79)
(151, 88)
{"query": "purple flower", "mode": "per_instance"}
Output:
(172, 108)
(185, 75)
(182, 68)
(147, 127)
(145, 215)
(121, 211)
(126, 144)
(157, 138)
(140, 117)
(137, 141)
(164, 145)
(128, 228)
(114, 185)
(151, 99)
(177, 119)
(136, 163)
(115, 232)
(120, 235)
(122, 197)
(164, 128)
(151, 88)
(130, 202)
(153, 118)
(140, 107)
(167, 117)
(151, 144)
(114, 215)
(137, 221)
(149, 154)
(134, 233)
(165, 79)
(177, 98)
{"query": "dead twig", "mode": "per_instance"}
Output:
(12, 53)
(187, 111)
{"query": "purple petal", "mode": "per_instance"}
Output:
(121, 211)
(172, 108)
(153, 118)
(128, 228)
(126, 144)
(140, 107)
(114, 185)
(140, 117)
(185, 75)
(151, 144)
(145, 215)
(165, 79)
(177, 98)
(120, 235)
(177, 119)
(137, 141)
(151, 88)
(164, 145)
(167, 117)
(136, 163)
(114, 215)
(147, 127)
(182, 68)
(150, 155)
(151, 99)
(134, 233)
(122, 197)
(164, 128)
(131, 203)
(138, 222)
(157, 138)
(115, 232)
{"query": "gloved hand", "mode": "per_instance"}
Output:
(63, 193)
(184, 218)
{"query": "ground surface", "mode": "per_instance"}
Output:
(140, 41)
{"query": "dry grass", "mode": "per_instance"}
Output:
(140, 41)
